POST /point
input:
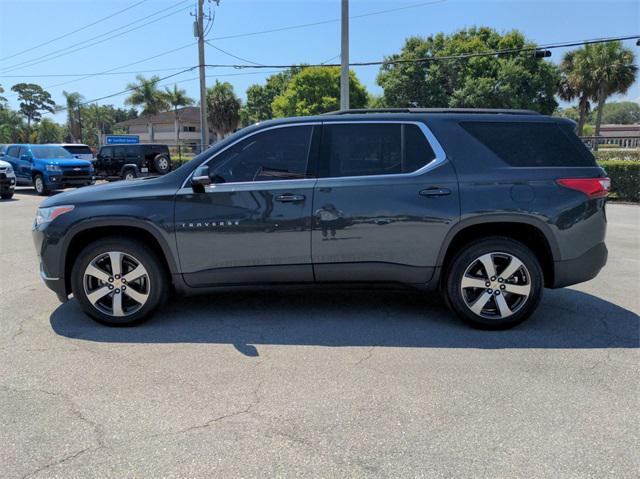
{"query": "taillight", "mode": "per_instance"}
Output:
(592, 187)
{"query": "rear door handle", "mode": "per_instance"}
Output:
(289, 198)
(435, 191)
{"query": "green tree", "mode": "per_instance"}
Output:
(177, 98)
(73, 108)
(223, 109)
(145, 93)
(495, 81)
(3, 100)
(575, 84)
(621, 113)
(260, 97)
(11, 125)
(317, 90)
(34, 101)
(611, 69)
(49, 131)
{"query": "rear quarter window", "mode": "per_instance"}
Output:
(524, 144)
(78, 150)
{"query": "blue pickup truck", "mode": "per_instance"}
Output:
(48, 167)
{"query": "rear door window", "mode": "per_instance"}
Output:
(367, 149)
(106, 152)
(78, 149)
(531, 144)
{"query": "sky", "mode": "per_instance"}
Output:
(37, 26)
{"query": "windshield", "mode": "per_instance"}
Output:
(51, 152)
(78, 150)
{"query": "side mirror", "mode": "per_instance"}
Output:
(200, 179)
(25, 158)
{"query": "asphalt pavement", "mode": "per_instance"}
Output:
(319, 382)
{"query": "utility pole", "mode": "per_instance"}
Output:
(344, 57)
(204, 127)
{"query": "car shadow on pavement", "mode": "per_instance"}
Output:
(319, 317)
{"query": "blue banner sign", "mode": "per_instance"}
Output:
(122, 139)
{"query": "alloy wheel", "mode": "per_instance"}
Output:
(39, 184)
(496, 285)
(116, 283)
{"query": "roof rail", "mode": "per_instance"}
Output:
(499, 111)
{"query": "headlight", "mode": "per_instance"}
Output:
(47, 215)
(53, 168)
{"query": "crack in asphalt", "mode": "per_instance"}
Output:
(76, 412)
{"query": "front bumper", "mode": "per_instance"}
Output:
(7, 182)
(61, 181)
(580, 269)
(54, 280)
(56, 285)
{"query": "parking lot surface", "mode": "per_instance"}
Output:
(319, 383)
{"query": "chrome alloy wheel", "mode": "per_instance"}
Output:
(116, 283)
(496, 285)
(39, 184)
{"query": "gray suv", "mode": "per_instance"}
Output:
(488, 207)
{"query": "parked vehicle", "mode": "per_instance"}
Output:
(128, 162)
(487, 206)
(7, 180)
(3, 149)
(79, 150)
(48, 167)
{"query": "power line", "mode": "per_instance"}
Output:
(373, 63)
(73, 32)
(66, 51)
(324, 22)
(462, 56)
(291, 27)
(230, 54)
(91, 74)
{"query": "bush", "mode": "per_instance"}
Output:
(617, 154)
(625, 178)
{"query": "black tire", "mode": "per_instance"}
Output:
(162, 164)
(129, 174)
(155, 285)
(40, 186)
(492, 297)
(7, 195)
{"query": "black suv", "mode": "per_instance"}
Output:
(128, 162)
(487, 206)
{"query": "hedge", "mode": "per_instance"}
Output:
(625, 178)
(618, 154)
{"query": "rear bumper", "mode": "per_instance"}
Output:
(580, 269)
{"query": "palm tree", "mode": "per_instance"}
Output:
(223, 108)
(145, 93)
(177, 98)
(574, 83)
(611, 70)
(73, 100)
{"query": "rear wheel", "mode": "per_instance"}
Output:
(118, 282)
(162, 163)
(40, 186)
(129, 174)
(494, 283)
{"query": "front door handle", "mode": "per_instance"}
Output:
(289, 198)
(435, 191)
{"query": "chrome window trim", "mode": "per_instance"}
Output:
(440, 158)
(433, 142)
(284, 125)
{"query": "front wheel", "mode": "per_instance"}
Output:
(40, 186)
(494, 283)
(118, 281)
(7, 195)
